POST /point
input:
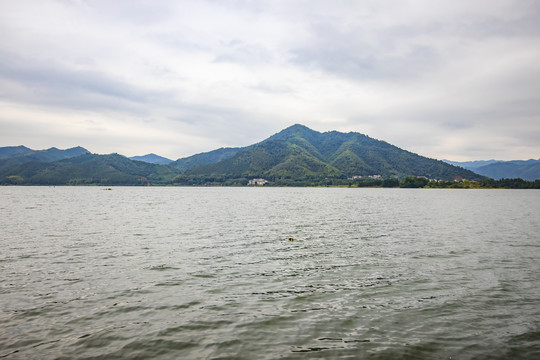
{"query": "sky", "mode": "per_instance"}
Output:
(448, 79)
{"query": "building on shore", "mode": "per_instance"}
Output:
(258, 182)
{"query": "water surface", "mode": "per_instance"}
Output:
(210, 273)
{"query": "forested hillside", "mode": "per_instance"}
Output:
(299, 155)
(296, 156)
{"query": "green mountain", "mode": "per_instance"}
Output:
(7, 152)
(294, 156)
(471, 165)
(88, 169)
(152, 159)
(498, 169)
(23, 154)
(299, 155)
(204, 158)
(13, 156)
(524, 169)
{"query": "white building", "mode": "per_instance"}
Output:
(257, 182)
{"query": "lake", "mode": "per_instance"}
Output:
(211, 273)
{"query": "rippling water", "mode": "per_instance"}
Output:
(210, 273)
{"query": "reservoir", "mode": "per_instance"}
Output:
(269, 273)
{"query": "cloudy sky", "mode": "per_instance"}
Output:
(455, 79)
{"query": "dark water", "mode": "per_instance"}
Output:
(190, 273)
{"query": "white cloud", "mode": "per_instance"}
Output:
(451, 79)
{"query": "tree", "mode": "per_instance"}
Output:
(413, 182)
(390, 183)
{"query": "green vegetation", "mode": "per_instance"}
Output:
(296, 156)
(299, 156)
(23, 154)
(413, 182)
(496, 169)
(527, 170)
(214, 156)
(152, 159)
(87, 169)
(13, 151)
(486, 184)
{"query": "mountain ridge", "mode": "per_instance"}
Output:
(298, 152)
(89, 169)
(209, 157)
(13, 151)
(297, 156)
(25, 154)
(152, 159)
(499, 169)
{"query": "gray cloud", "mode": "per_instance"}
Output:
(447, 79)
(399, 50)
(240, 52)
(50, 83)
(360, 53)
(273, 88)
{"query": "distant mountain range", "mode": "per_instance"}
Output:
(210, 157)
(11, 157)
(86, 169)
(24, 154)
(471, 165)
(152, 159)
(497, 169)
(294, 156)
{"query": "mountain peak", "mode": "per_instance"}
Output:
(292, 131)
(298, 127)
(12, 151)
(152, 159)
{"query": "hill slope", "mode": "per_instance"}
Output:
(7, 152)
(524, 169)
(471, 165)
(299, 154)
(13, 156)
(88, 169)
(294, 156)
(152, 159)
(498, 169)
(210, 157)
(22, 154)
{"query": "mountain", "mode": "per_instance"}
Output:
(88, 169)
(497, 169)
(204, 158)
(524, 169)
(13, 156)
(298, 154)
(24, 154)
(471, 165)
(152, 159)
(13, 151)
